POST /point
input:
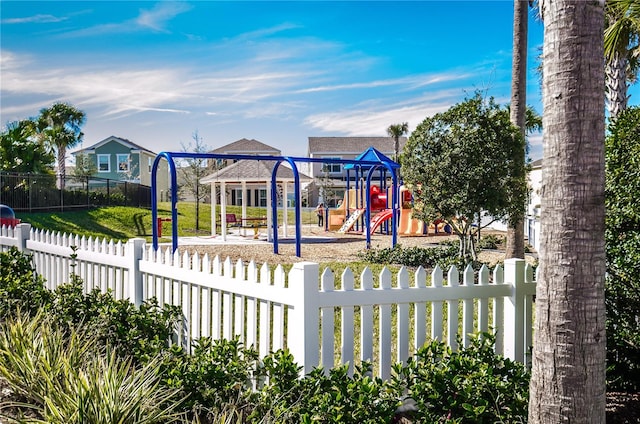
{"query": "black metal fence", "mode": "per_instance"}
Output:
(40, 193)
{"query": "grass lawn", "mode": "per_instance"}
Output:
(123, 222)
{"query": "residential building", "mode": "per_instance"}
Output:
(334, 175)
(532, 218)
(120, 159)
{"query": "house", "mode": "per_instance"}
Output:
(120, 159)
(334, 175)
(532, 218)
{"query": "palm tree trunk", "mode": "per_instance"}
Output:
(62, 171)
(515, 230)
(616, 80)
(568, 370)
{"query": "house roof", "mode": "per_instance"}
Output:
(120, 140)
(352, 145)
(536, 163)
(247, 147)
(252, 171)
(373, 155)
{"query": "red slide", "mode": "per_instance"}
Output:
(379, 218)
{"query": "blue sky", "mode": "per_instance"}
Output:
(279, 72)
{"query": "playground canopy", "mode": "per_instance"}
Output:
(371, 155)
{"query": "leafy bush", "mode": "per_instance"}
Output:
(218, 373)
(65, 377)
(622, 237)
(472, 385)
(21, 288)
(139, 332)
(491, 241)
(444, 256)
(333, 397)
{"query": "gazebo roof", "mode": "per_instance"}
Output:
(252, 171)
(373, 155)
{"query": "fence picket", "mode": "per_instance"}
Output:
(347, 323)
(403, 318)
(385, 327)
(366, 318)
(420, 310)
(264, 343)
(239, 310)
(251, 316)
(467, 308)
(483, 302)
(498, 313)
(436, 306)
(327, 323)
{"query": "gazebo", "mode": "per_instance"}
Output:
(250, 175)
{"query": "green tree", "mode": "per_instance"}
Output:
(460, 163)
(569, 354)
(621, 49)
(60, 127)
(622, 238)
(21, 152)
(85, 168)
(396, 131)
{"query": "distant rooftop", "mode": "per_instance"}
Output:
(353, 145)
(120, 140)
(247, 147)
(256, 171)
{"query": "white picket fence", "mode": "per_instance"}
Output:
(321, 319)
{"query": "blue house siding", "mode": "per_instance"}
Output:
(120, 159)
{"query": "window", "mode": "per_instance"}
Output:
(150, 164)
(104, 163)
(123, 163)
(332, 168)
(263, 198)
(238, 192)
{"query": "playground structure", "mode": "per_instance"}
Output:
(350, 214)
(370, 164)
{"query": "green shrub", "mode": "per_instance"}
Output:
(335, 397)
(65, 377)
(473, 385)
(21, 288)
(138, 332)
(217, 374)
(491, 241)
(622, 241)
(445, 256)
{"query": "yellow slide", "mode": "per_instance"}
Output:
(410, 226)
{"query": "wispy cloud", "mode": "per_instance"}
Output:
(154, 19)
(121, 92)
(266, 32)
(158, 17)
(35, 19)
(412, 82)
(373, 119)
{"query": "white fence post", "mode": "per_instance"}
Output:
(513, 324)
(303, 327)
(21, 233)
(134, 252)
